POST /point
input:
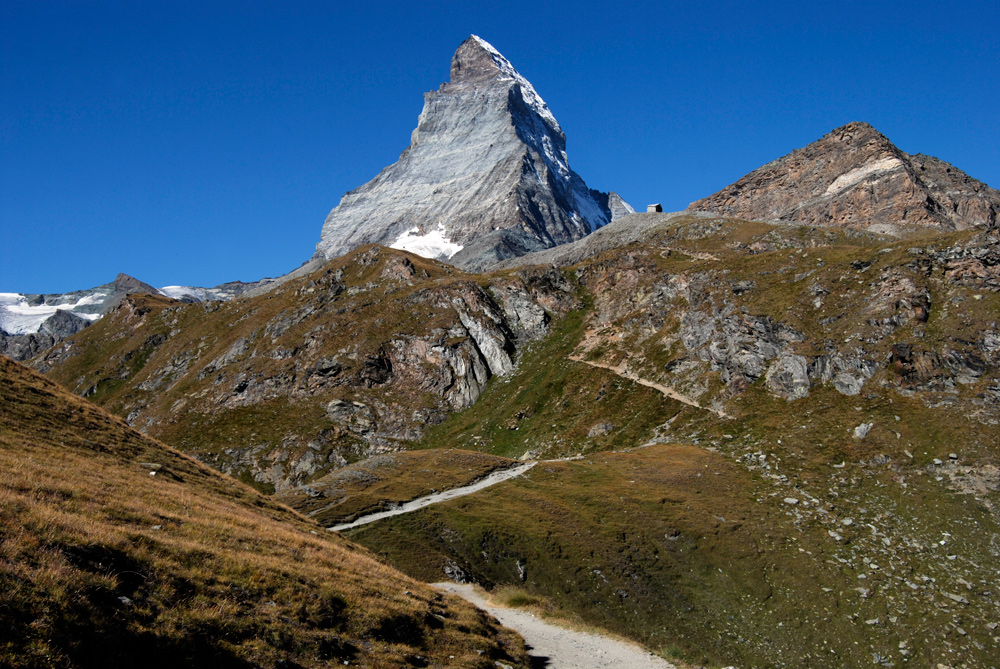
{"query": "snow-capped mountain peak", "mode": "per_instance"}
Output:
(486, 175)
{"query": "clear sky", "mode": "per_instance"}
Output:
(201, 142)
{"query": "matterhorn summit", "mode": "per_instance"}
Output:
(486, 176)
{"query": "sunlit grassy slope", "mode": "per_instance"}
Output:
(116, 551)
(699, 558)
(769, 537)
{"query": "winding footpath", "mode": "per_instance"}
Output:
(443, 496)
(555, 647)
(625, 373)
(550, 646)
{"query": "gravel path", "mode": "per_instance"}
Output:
(625, 373)
(485, 482)
(555, 647)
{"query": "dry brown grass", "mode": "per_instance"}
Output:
(116, 550)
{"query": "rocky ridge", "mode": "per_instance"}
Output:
(855, 177)
(369, 350)
(486, 176)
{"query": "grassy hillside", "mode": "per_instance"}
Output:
(703, 559)
(399, 341)
(117, 551)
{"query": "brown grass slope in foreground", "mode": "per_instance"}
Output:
(116, 550)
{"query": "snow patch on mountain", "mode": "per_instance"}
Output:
(433, 244)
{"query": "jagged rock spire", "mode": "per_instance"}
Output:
(486, 176)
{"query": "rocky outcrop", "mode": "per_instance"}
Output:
(855, 177)
(859, 326)
(486, 176)
(373, 348)
(788, 377)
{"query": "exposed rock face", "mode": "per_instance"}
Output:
(613, 203)
(486, 176)
(788, 377)
(374, 347)
(855, 177)
(856, 325)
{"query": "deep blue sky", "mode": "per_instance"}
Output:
(201, 142)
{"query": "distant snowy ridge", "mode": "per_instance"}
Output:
(18, 316)
(30, 323)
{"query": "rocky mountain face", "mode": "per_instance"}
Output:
(486, 176)
(855, 177)
(355, 359)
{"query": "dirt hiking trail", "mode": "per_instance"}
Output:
(555, 647)
(443, 496)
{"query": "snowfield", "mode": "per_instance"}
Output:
(434, 244)
(18, 317)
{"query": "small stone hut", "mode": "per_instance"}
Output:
(654, 207)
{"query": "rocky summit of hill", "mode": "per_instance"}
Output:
(118, 551)
(855, 177)
(486, 176)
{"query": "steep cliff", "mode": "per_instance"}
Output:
(486, 176)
